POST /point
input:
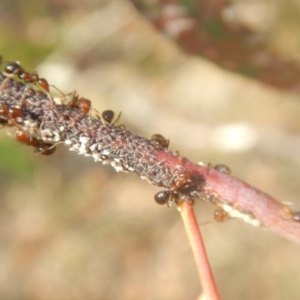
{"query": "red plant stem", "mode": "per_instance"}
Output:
(45, 122)
(195, 238)
(245, 201)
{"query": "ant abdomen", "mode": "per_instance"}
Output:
(108, 117)
(13, 68)
(162, 197)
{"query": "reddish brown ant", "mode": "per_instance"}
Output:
(220, 215)
(22, 137)
(15, 69)
(10, 114)
(83, 104)
(159, 139)
(39, 146)
(14, 113)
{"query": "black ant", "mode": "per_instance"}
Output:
(162, 197)
(107, 117)
(159, 139)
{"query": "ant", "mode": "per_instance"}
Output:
(185, 184)
(12, 114)
(159, 139)
(108, 116)
(14, 68)
(220, 215)
(222, 168)
(83, 104)
(296, 216)
(39, 147)
(162, 197)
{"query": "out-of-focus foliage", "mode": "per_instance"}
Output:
(237, 35)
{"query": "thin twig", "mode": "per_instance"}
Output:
(195, 238)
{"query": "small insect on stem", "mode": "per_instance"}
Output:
(15, 69)
(296, 216)
(108, 117)
(14, 113)
(162, 197)
(39, 147)
(159, 139)
(83, 104)
(220, 215)
(10, 116)
(222, 168)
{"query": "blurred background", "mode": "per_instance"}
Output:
(74, 229)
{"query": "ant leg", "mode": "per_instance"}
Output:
(51, 100)
(55, 87)
(46, 149)
(21, 103)
(118, 118)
